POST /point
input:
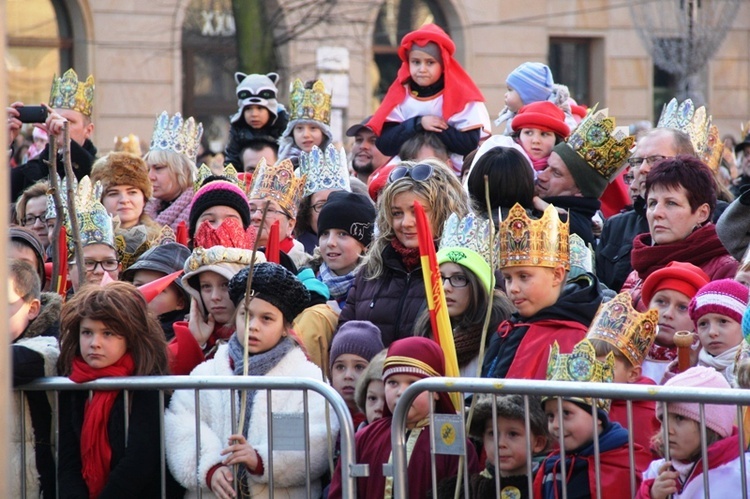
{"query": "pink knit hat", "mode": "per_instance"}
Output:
(725, 296)
(719, 418)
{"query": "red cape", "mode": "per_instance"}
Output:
(645, 424)
(530, 361)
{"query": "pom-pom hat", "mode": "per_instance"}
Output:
(361, 338)
(725, 297)
(682, 277)
(532, 81)
(274, 284)
(542, 115)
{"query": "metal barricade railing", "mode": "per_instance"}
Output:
(233, 383)
(560, 389)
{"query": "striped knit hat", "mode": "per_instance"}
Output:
(725, 296)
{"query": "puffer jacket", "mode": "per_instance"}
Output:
(613, 253)
(392, 302)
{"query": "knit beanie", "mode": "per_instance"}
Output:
(122, 168)
(682, 277)
(725, 297)
(274, 284)
(589, 181)
(351, 212)
(218, 191)
(719, 418)
(360, 338)
(31, 240)
(532, 80)
(543, 115)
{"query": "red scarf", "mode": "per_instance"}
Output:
(96, 454)
(409, 256)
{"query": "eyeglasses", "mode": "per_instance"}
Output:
(31, 219)
(628, 178)
(651, 160)
(271, 212)
(420, 172)
(456, 280)
(107, 265)
(318, 206)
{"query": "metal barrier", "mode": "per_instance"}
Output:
(561, 390)
(233, 383)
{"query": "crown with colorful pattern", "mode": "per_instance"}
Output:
(534, 243)
(622, 326)
(581, 365)
(177, 135)
(686, 118)
(133, 242)
(279, 183)
(95, 225)
(714, 148)
(69, 93)
(466, 242)
(324, 170)
(310, 103)
(581, 256)
(230, 173)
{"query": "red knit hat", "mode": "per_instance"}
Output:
(683, 277)
(543, 115)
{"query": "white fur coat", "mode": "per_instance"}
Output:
(215, 414)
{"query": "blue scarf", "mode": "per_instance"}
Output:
(338, 285)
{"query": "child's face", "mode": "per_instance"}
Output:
(532, 288)
(395, 386)
(20, 312)
(537, 143)
(513, 100)
(743, 277)
(215, 294)
(100, 346)
(424, 69)
(673, 315)
(98, 255)
(510, 448)
(168, 300)
(339, 250)
(374, 400)
(306, 136)
(256, 116)
(346, 370)
(265, 325)
(684, 437)
(125, 201)
(403, 220)
(718, 333)
(578, 425)
(458, 296)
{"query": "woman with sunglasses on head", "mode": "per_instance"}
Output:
(389, 290)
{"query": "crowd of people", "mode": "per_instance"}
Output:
(568, 248)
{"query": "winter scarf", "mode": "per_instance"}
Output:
(409, 256)
(96, 454)
(723, 363)
(467, 342)
(539, 164)
(260, 364)
(338, 285)
(177, 211)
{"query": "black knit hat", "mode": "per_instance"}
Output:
(30, 239)
(165, 258)
(351, 212)
(218, 191)
(274, 284)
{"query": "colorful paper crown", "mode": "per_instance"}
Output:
(279, 183)
(130, 143)
(229, 172)
(535, 243)
(581, 257)
(133, 242)
(466, 242)
(177, 135)
(603, 147)
(686, 118)
(714, 148)
(324, 170)
(310, 103)
(69, 93)
(628, 330)
(581, 365)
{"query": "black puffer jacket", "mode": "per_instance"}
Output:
(613, 253)
(241, 135)
(392, 302)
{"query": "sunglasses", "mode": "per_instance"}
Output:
(420, 172)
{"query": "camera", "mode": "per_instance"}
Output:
(32, 114)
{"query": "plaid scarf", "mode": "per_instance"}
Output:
(338, 285)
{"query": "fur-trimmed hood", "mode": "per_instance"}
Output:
(47, 322)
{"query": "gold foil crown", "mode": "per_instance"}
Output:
(533, 243)
(310, 103)
(628, 330)
(229, 172)
(686, 118)
(69, 93)
(129, 143)
(279, 183)
(714, 147)
(581, 365)
(602, 145)
(176, 134)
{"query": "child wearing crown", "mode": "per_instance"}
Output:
(577, 428)
(431, 93)
(309, 120)
(534, 259)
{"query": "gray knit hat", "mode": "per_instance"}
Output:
(360, 338)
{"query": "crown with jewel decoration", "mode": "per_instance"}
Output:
(466, 242)
(686, 118)
(324, 170)
(602, 145)
(279, 183)
(230, 173)
(714, 147)
(69, 93)
(177, 135)
(534, 243)
(309, 103)
(581, 365)
(628, 330)
(581, 256)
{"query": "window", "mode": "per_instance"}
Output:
(570, 62)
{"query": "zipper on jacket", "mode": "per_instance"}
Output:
(401, 305)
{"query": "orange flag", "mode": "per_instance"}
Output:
(439, 318)
(62, 256)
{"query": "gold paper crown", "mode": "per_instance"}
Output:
(176, 134)
(279, 183)
(130, 143)
(686, 118)
(310, 103)
(628, 330)
(581, 365)
(469, 233)
(68, 93)
(533, 243)
(581, 257)
(229, 172)
(601, 145)
(714, 147)
(324, 170)
(132, 243)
